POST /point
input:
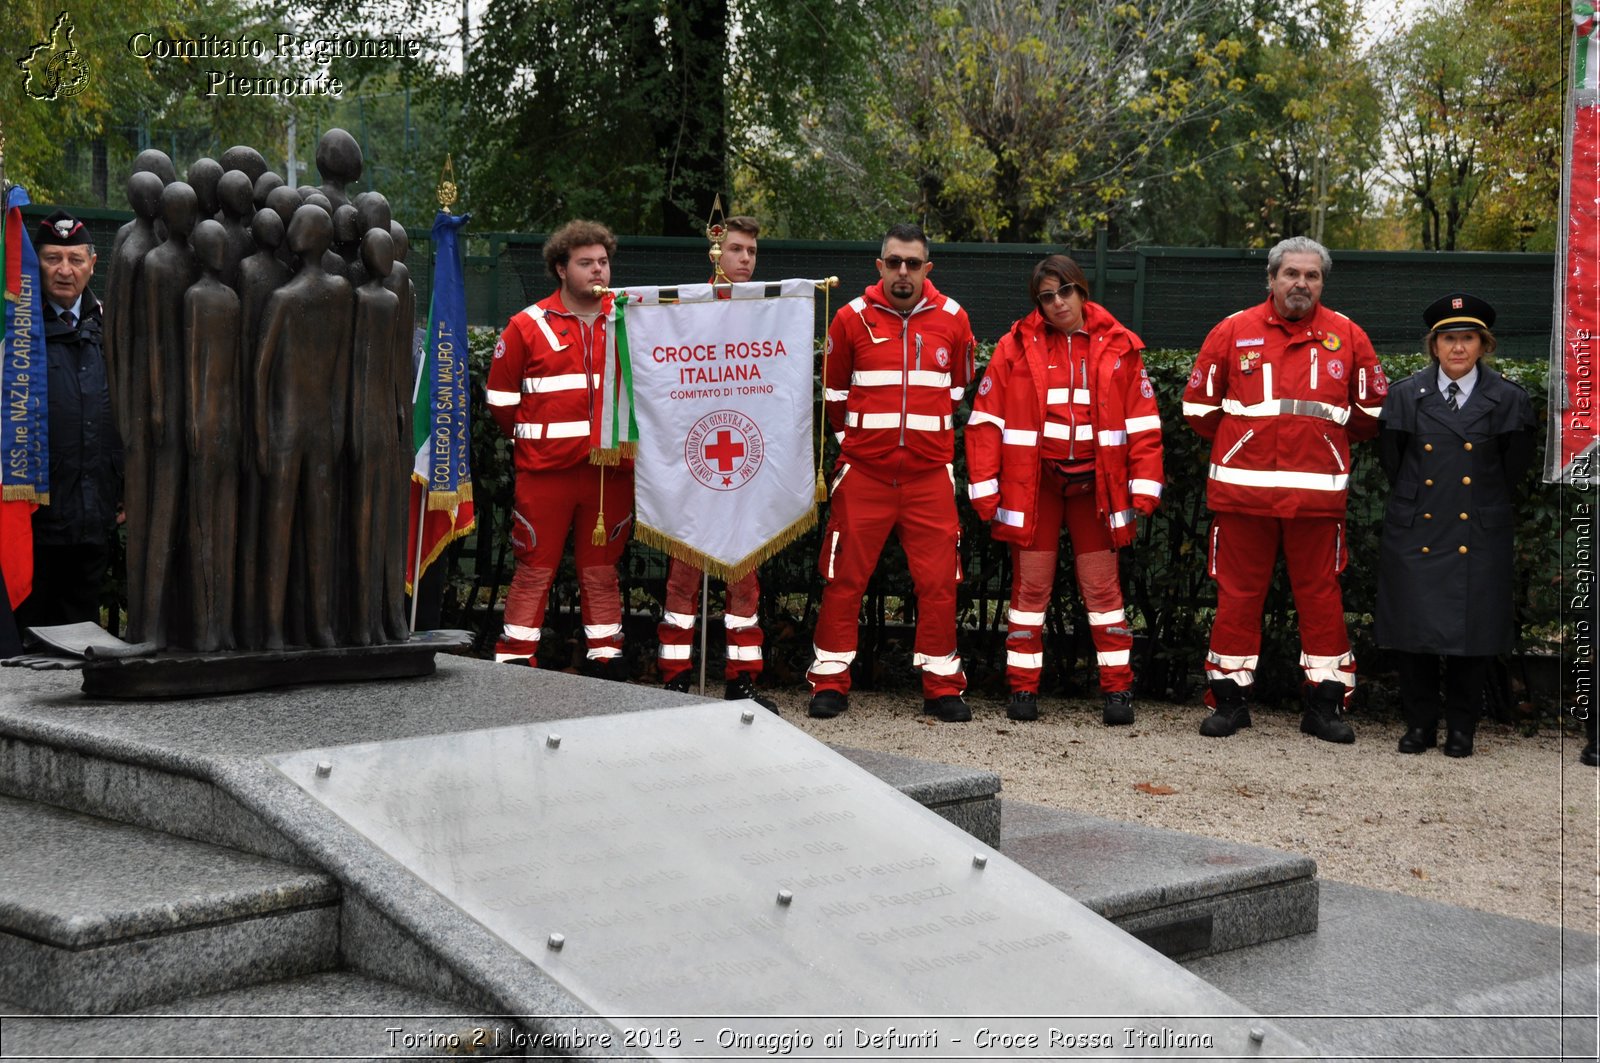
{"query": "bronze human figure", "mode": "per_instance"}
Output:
(154, 160)
(127, 353)
(339, 162)
(260, 275)
(237, 208)
(402, 381)
(373, 483)
(246, 159)
(213, 434)
(203, 175)
(302, 377)
(263, 187)
(169, 270)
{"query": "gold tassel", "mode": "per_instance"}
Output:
(598, 536)
(822, 486)
(822, 411)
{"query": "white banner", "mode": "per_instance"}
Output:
(722, 396)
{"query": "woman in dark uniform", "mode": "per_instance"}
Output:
(1456, 441)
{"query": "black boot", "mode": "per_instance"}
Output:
(826, 704)
(1417, 739)
(1419, 694)
(1024, 705)
(951, 708)
(742, 687)
(1324, 712)
(1118, 708)
(1230, 713)
(680, 683)
(1463, 702)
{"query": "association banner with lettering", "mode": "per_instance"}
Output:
(441, 429)
(25, 423)
(1572, 450)
(716, 400)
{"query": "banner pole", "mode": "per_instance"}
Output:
(416, 562)
(705, 612)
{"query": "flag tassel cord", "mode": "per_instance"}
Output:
(677, 548)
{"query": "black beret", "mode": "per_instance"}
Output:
(1458, 310)
(62, 229)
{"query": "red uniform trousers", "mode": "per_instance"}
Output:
(740, 620)
(1033, 573)
(548, 506)
(921, 511)
(1242, 552)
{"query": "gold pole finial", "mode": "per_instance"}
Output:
(448, 192)
(717, 232)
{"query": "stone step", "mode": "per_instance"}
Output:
(328, 1015)
(1183, 895)
(98, 916)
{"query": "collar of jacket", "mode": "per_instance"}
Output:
(931, 299)
(1321, 321)
(1098, 322)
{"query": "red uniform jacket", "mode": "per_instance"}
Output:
(894, 381)
(1281, 402)
(1008, 418)
(544, 384)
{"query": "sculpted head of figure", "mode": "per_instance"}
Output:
(245, 159)
(267, 228)
(346, 224)
(151, 160)
(402, 242)
(210, 243)
(204, 173)
(377, 252)
(285, 201)
(235, 194)
(338, 157)
(264, 186)
(180, 209)
(310, 232)
(375, 212)
(144, 194)
(316, 199)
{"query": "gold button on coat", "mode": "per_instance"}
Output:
(1427, 483)
(1466, 446)
(1424, 549)
(1461, 550)
(1427, 447)
(1463, 516)
(1466, 480)
(1427, 516)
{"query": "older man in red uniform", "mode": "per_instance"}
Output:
(544, 392)
(898, 361)
(1282, 390)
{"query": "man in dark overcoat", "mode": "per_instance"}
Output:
(1456, 441)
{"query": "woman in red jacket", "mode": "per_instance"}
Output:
(1065, 434)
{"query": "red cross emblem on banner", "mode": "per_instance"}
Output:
(723, 450)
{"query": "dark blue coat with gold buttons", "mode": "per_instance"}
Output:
(1446, 578)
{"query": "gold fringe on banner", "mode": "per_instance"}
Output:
(443, 499)
(683, 552)
(23, 493)
(604, 456)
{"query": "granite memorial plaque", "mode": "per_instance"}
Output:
(716, 882)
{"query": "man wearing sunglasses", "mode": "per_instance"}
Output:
(897, 364)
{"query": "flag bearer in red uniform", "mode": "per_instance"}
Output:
(1282, 390)
(1065, 434)
(898, 361)
(741, 608)
(544, 393)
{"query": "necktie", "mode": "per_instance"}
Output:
(66, 315)
(1450, 395)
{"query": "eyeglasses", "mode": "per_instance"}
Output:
(912, 265)
(1060, 294)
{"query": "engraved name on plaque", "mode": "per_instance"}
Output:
(753, 892)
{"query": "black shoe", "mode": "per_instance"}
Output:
(1590, 755)
(1458, 744)
(826, 704)
(1024, 705)
(613, 668)
(1324, 709)
(1231, 714)
(952, 708)
(1418, 739)
(680, 683)
(1119, 708)
(743, 688)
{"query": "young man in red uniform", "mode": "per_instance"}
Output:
(898, 361)
(1282, 390)
(544, 392)
(741, 608)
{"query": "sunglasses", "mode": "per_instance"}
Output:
(912, 265)
(1060, 294)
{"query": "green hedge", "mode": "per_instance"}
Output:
(1170, 598)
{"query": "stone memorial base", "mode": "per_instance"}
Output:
(157, 861)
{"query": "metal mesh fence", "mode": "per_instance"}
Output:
(1170, 296)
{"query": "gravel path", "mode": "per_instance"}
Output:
(1512, 830)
